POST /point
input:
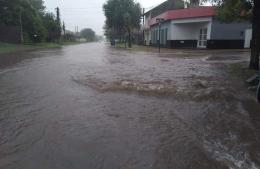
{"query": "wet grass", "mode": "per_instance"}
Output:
(12, 48)
(241, 71)
(47, 45)
(6, 48)
(71, 43)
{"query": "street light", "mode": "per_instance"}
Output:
(159, 21)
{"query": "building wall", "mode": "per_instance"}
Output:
(147, 37)
(184, 29)
(185, 32)
(146, 28)
(228, 31)
(165, 34)
(227, 35)
(182, 33)
(188, 31)
(147, 20)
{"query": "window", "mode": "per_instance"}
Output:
(203, 38)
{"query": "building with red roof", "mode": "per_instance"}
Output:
(194, 27)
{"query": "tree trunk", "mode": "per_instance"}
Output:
(255, 45)
(129, 39)
(125, 40)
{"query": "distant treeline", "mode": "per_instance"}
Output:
(35, 23)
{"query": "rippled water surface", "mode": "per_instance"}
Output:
(91, 106)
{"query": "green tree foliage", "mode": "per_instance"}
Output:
(239, 10)
(37, 25)
(122, 17)
(194, 2)
(33, 27)
(49, 21)
(9, 12)
(38, 5)
(69, 37)
(64, 28)
(88, 34)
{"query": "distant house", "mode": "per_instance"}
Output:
(195, 27)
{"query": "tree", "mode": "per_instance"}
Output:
(191, 3)
(58, 23)
(34, 29)
(64, 28)
(38, 5)
(49, 21)
(88, 34)
(122, 17)
(12, 12)
(194, 2)
(37, 24)
(238, 10)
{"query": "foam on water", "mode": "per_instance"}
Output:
(236, 157)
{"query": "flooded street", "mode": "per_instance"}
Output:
(91, 106)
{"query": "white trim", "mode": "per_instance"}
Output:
(209, 30)
(192, 20)
(248, 38)
(201, 40)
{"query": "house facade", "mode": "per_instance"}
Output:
(195, 27)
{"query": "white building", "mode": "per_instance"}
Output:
(195, 27)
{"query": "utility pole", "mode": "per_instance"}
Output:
(159, 36)
(21, 26)
(76, 33)
(143, 29)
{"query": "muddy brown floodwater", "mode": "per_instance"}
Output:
(91, 106)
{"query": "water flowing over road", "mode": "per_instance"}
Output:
(91, 106)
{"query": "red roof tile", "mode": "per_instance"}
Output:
(185, 14)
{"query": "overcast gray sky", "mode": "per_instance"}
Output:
(87, 13)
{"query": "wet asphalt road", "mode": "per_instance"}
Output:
(91, 106)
